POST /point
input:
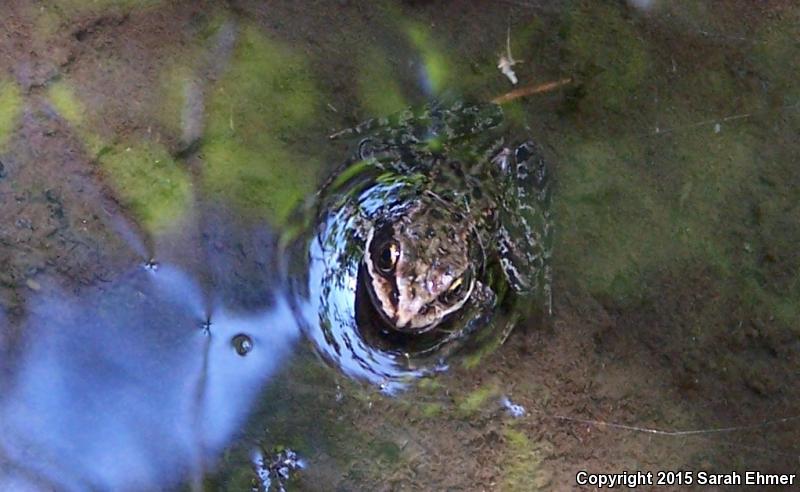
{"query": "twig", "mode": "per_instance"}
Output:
(530, 90)
(692, 432)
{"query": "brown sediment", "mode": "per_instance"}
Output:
(648, 333)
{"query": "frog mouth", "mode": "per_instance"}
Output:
(394, 322)
(383, 306)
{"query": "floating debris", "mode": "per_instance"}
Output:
(512, 408)
(274, 470)
(151, 265)
(339, 394)
(33, 285)
(505, 65)
(507, 61)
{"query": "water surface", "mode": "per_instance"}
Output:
(152, 154)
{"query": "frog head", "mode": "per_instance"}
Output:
(421, 264)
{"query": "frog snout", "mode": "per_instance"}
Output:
(406, 313)
(411, 315)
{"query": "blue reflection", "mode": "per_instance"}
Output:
(343, 343)
(122, 388)
(233, 380)
(323, 282)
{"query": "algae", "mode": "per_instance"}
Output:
(264, 101)
(608, 52)
(476, 400)
(152, 184)
(62, 96)
(523, 469)
(10, 109)
(378, 88)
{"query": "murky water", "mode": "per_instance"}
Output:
(152, 155)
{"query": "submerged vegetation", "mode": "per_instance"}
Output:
(265, 99)
(11, 107)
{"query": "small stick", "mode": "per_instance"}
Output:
(502, 99)
(675, 433)
(530, 90)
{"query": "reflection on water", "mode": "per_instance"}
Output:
(133, 386)
(324, 274)
(327, 289)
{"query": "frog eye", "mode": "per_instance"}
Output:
(454, 292)
(387, 259)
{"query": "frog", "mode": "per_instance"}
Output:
(422, 237)
(475, 201)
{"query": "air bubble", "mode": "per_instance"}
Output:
(243, 344)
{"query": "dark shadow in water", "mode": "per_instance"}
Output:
(133, 387)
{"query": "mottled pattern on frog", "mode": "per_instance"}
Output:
(474, 201)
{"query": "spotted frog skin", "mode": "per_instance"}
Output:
(468, 203)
